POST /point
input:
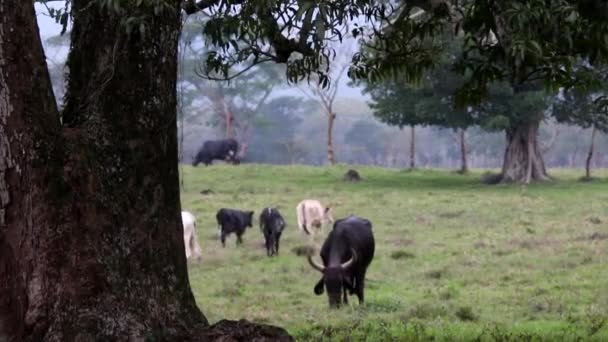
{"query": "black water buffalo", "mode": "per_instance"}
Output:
(233, 221)
(272, 225)
(225, 149)
(346, 253)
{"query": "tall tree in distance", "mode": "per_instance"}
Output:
(585, 108)
(399, 104)
(522, 43)
(233, 105)
(275, 140)
(325, 94)
(429, 102)
(518, 111)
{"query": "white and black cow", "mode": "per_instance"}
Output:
(233, 221)
(225, 149)
(346, 254)
(272, 225)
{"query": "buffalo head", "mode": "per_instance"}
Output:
(335, 279)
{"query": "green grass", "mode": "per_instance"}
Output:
(455, 259)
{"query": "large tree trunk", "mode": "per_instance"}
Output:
(590, 154)
(523, 161)
(331, 157)
(412, 147)
(91, 241)
(30, 176)
(120, 128)
(464, 166)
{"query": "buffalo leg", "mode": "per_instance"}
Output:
(276, 248)
(359, 286)
(319, 287)
(223, 238)
(268, 246)
(345, 296)
(239, 239)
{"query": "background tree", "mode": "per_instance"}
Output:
(275, 139)
(368, 139)
(513, 41)
(440, 109)
(583, 107)
(325, 93)
(430, 102)
(399, 104)
(232, 105)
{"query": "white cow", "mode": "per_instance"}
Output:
(312, 214)
(190, 239)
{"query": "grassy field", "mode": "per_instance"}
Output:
(455, 259)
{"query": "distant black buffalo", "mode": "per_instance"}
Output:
(272, 225)
(233, 221)
(225, 149)
(346, 253)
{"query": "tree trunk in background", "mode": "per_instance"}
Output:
(590, 154)
(464, 168)
(228, 120)
(412, 147)
(523, 161)
(331, 157)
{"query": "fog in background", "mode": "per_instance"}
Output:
(280, 123)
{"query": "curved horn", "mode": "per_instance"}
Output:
(314, 264)
(347, 264)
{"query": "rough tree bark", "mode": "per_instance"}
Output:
(590, 153)
(464, 166)
(523, 161)
(331, 156)
(91, 241)
(30, 178)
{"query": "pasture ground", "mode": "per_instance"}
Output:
(455, 259)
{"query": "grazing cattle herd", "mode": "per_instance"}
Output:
(346, 253)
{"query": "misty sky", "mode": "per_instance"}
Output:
(48, 28)
(46, 24)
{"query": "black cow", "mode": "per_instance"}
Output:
(233, 221)
(272, 225)
(217, 149)
(346, 253)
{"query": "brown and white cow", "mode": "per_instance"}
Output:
(190, 239)
(312, 216)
